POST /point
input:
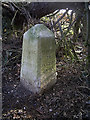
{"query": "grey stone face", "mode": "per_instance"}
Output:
(38, 68)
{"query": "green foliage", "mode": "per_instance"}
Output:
(66, 32)
(45, 19)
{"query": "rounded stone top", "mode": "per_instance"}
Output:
(39, 30)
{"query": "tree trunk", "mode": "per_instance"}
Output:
(40, 9)
(89, 47)
(22, 12)
(77, 26)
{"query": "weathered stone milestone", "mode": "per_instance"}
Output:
(38, 67)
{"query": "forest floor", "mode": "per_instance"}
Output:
(65, 100)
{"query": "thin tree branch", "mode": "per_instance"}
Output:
(60, 18)
(53, 14)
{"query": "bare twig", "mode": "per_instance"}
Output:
(14, 17)
(84, 87)
(60, 18)
(60, 30)
(53, 14)
(16, 7)
(81, 94)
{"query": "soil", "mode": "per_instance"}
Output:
(65, 100)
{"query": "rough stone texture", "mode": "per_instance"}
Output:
(38, 69)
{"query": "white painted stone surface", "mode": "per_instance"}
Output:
(38, 66)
